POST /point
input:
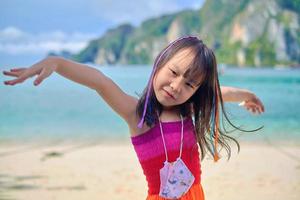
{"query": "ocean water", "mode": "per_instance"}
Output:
(59, 109)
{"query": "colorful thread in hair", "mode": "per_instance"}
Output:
(216, 121)
(212, 131)
(215, 125)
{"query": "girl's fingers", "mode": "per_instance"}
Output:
(44, 74)
(258, 102)
(21, 78)
(17, 69)
(253, 109)
(262, 107)
(22, 74)
(38, 80)
(250, 103)
(15, 74)
(259, 108)
(15, 81)
(257, 105)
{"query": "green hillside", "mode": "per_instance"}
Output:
(242, 33)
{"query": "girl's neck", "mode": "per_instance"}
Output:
(170, 115)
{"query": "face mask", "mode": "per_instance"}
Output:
(175, 178)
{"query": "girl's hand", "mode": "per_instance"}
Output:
(42, 69)
(253, 104)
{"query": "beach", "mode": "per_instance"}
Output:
(110, 170)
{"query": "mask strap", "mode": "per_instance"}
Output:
(149, 85)
(163, 139)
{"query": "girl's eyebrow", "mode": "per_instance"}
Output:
(176, 67)
(192, 81)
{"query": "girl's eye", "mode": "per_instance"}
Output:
(173, 72)
(190, 85)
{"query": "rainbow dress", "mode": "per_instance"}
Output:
(150, 151)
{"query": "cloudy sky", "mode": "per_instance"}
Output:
(35, 27)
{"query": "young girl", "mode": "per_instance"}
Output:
(179, 109)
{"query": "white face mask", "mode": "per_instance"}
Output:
(175, 178)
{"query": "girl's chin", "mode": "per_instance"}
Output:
(165, 100)
(166, 103)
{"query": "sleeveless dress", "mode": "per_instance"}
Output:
(150, 151)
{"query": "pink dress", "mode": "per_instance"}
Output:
(150, 151)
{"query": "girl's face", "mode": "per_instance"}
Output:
(170, 86)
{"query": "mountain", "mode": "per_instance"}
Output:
(244, 32)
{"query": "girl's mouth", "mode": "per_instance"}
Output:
(169, 94)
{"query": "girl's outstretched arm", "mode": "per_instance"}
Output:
(118, 100)
(249, 100)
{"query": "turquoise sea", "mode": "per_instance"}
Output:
(59, 109)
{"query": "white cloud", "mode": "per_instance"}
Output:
(11, 34)
(15, 41)
(41, 47)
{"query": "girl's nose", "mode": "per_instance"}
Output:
(176, 85)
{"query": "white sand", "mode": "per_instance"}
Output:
(111, 171)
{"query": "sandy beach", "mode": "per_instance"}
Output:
(111, 170)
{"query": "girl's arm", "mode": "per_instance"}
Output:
(118, 100)
(249, 100)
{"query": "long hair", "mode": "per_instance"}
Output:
(205, 105)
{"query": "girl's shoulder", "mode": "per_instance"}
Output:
(134, 130)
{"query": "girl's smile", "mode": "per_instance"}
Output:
(169, 95)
